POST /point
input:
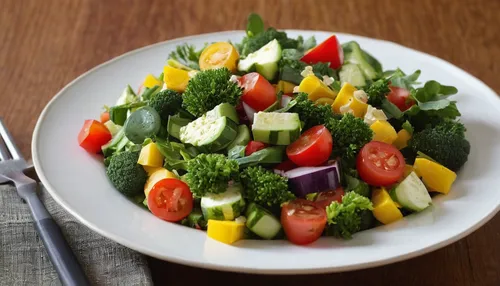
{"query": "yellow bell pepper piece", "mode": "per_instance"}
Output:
(324, 101)
(315, 88)
(408, 170)
(346, 94)
(219, 55)
(358, 107)
(150, 170)
(402, 139)
(151, 81)
(150, 156)
(384, 208)
(284, 86)
(175, 79)
(436, 177)
(383, 132)
(155, 177)
(225, 231)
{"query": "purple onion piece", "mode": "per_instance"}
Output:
(306, 180)
(249, 111)
(285, 100)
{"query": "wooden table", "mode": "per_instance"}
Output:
(44, 44)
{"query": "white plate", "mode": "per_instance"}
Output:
(77, 181)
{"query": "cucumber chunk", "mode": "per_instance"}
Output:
(412, 194)
(174, 125)
(352, 74)
(276, 128)
(214, 135)
(226, 206)
(224, 109)
(353, 54)
(264, 61)
(261, 222)
(242, 138)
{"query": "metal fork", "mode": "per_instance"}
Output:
(12, 167)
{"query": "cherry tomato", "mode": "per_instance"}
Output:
(219, 55)
(324, 199)
(93, 135)
(254, 146)
(312, 148)
(258, 93)
(286, 166)
(400, 97)
(330, 51)
(104, 116)
(170, 199)
(380, 164)
(303, 221)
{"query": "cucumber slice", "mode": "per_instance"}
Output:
(226, 206)
(174, 125)
(264, 61)
(213, 135)
(412, 194)
(276, 128)
(224, 109)
(352, 74)
(242, 138)
(112, 127)
(261, 222)
(353, 54)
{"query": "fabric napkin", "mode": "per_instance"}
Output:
(24, 261)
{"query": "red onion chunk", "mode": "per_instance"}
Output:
(249, 111)
(285, 100)
(306, 180)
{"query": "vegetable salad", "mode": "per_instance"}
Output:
(280, 138)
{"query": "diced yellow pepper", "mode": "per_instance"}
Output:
(150, 170)
(152, 81)
(175, 79)
(436, 177)
(346, 94)
(358, 107)
(285, 86)
(150, 156)
(383, 131)
(402, 139)
(155, 177)
(384, 208)
(324, 101)
(315, 88)
(408, 170)
(225, 231)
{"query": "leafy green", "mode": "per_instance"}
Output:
(176, 154)
(118, 113)
(269, 155)
(345, 217)
(255, 25)
(187, 55)
(309, 113)
(254, 43)
(305, 45)
(358, 186)
(236, 152)
(265, 187)
(407, 126)
(433, 91)
(400, 79)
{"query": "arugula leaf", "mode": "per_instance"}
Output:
(407, 126)
(390, 109)
(432, 91)
(255, 25)
(236, 152)
(187, 55)
(399, 79)
(306, 45)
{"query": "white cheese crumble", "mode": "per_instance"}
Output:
(328, 80)
(295, 89)
(361, 96)
(192, 73)
(346, 108)
(308, 70)
(164, 87)
(373, 114)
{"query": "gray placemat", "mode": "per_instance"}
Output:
(23, 260)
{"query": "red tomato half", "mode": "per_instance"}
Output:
(104, 116)
(330, 51)
(93, 135)
(170, 200)
(303, 221)
(380, 164)
(254, 146)
(400, 97)
(312, 148)
(324, 199)
(258, 93)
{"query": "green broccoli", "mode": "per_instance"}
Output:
(344, 218)
(311, 114)
(349, 135)
(210, 173)
(127, 176)
(265, 187)
(252, 44)
(445, 143)
(208, 89)
(167, 102)
(377, 92)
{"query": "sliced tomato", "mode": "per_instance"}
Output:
(380, 164)
(254, 146)
(104, 116)
(400, 97)
(93, 135)
(286, 166)
(324, 199)
(303, 221)
(170, 199)
(313, 147)
(330, 51)
(258, 93)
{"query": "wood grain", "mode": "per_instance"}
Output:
(44, 44)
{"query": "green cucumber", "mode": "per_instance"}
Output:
(112, 127)
(213, 135)
(262, 222)
(226, 206)
(143, 123)
(224, 109)
(264, 61)
(276, 128)
(269, 155)
(174, 125)
(242, 138)
(412, 194)
(128, 96)
(370, 67)
(352, 74)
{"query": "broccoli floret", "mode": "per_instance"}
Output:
(167, 102)
(344, 218)
(208, 89)
(444, 143)
(377, 92)
(311, 114)
(210, 173)
(264, 187)
(127, 176)
(349, 135)
(252, 44)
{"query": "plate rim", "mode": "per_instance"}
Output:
(268, 271)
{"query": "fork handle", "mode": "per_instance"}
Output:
(61, 255)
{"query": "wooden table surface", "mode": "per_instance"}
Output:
(44, 44)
